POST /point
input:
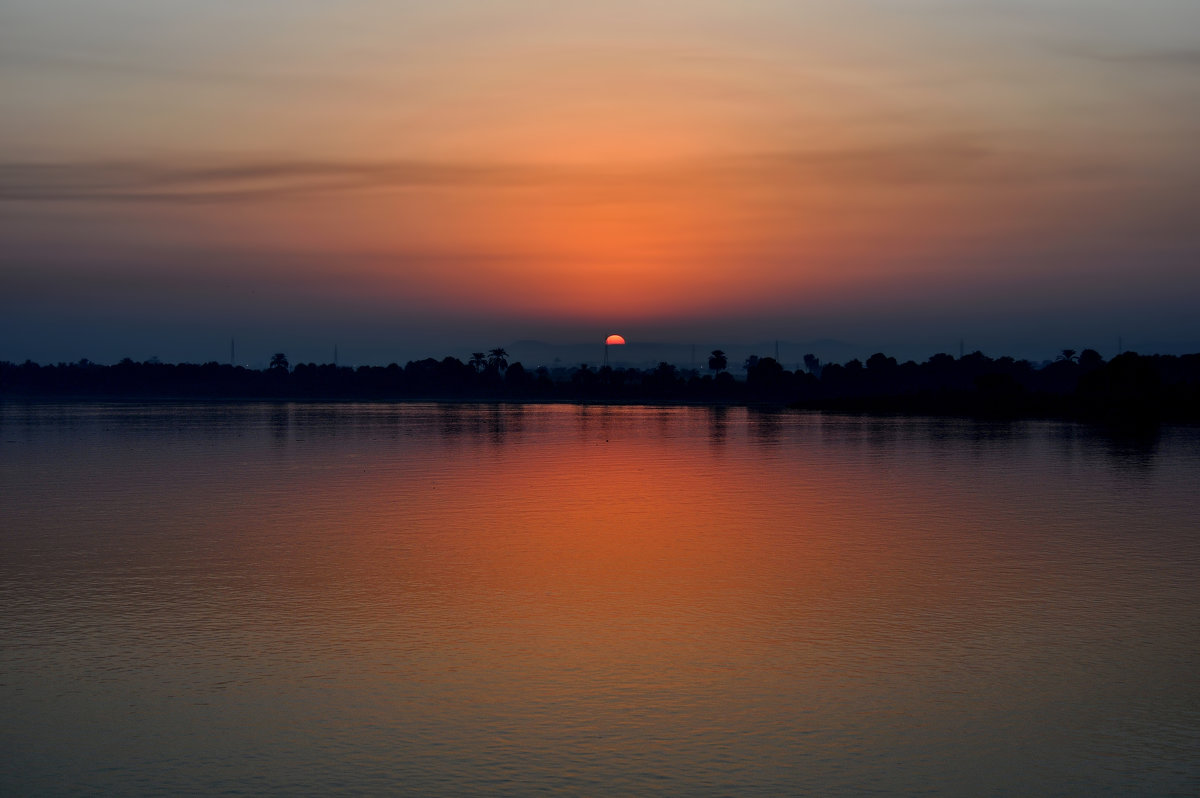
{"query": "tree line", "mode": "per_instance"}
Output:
(1127, 387)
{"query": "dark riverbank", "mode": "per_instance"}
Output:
(1128, 389)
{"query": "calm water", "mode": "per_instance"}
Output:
(318, 599)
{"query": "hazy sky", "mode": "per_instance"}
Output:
(418, 178)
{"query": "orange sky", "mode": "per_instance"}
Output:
(521, 169)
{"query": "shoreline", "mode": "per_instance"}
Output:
(1129, 390)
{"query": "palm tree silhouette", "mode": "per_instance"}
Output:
(717, 361)
(498, 358)
(477, 361)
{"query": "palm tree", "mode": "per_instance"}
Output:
(477, 361)
(279, 362)
(1068, 355)
(717, 361)
(498, 358)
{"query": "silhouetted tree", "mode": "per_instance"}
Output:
(765, 377)
(1130, 388)
(517, 377)
(717, 361)
(584, 377)
(498, 359)
(813, 364)
(941, 363)
(1090, 359)
(661, 382)
(477, 361)
(1068, 355)
(879, 362)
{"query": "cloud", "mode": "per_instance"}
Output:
(929, 161)
(1175, 58)
(145, 181)
(86, 65)
(940, 160)
(15, 58)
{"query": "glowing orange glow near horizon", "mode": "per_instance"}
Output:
(807, 168)
(614, 340)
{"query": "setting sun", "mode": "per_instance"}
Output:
(712, 173)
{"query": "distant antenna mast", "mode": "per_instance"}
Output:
(232, 358)
(335, 354)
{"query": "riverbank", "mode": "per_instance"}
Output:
(1129, 389)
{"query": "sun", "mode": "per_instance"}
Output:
(614, 340)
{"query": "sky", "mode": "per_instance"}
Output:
(411, 179)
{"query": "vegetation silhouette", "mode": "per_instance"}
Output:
(498, 359)
(717, 362)
(1130, 388)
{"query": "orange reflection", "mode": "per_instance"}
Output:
(585, 580)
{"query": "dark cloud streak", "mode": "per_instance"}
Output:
(15, 58)
(153, 182)
(950, 160)
(1181, 57)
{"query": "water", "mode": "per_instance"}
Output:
(330, 599)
